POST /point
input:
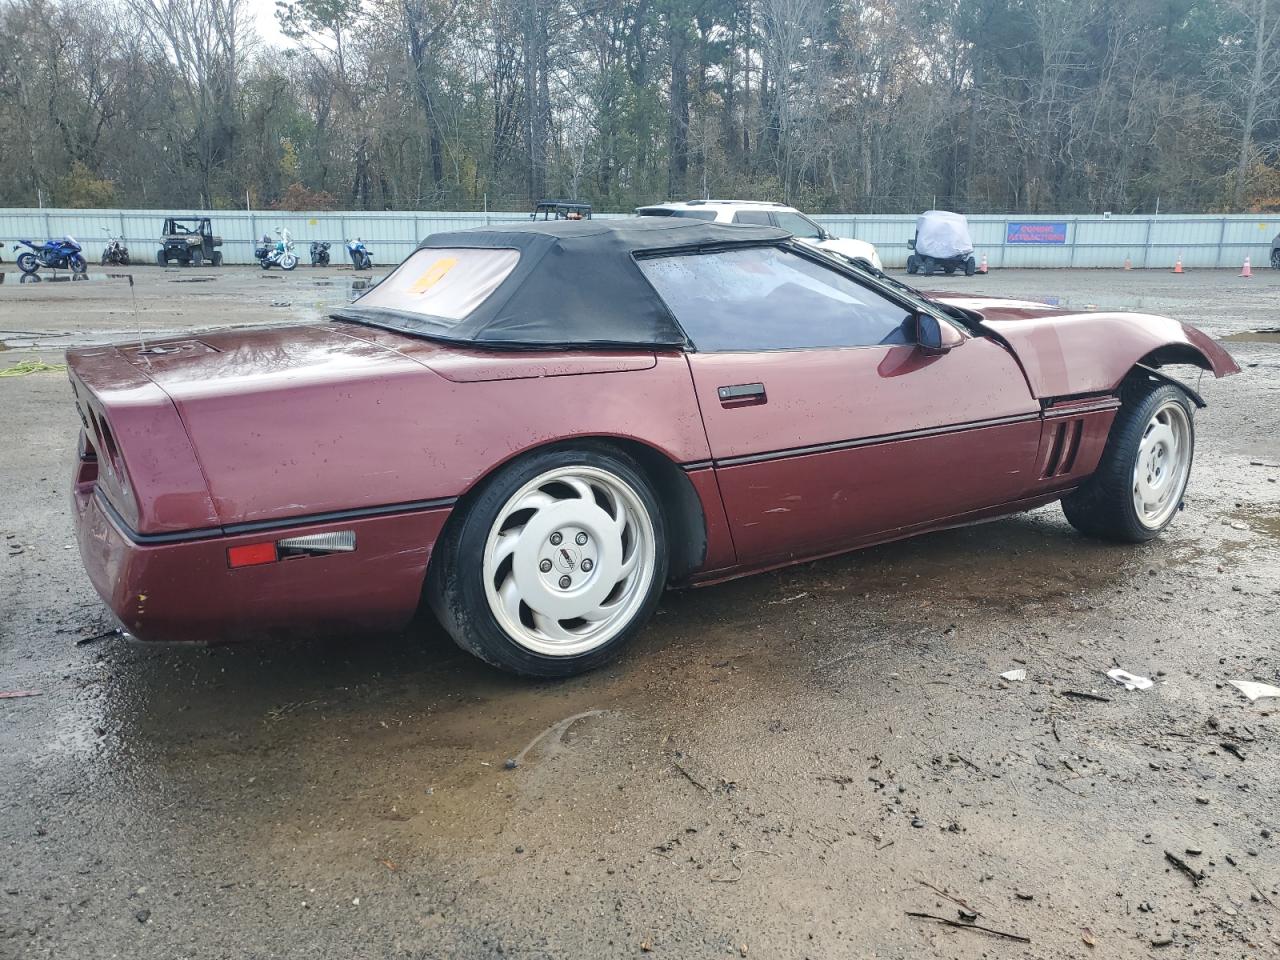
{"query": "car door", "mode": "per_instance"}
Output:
(828, 423)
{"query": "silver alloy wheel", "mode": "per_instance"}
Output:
(1163, 464)
(569, 560)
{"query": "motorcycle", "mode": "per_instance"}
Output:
(360, 258)
(115, 252)
(319, 253)
(55, 254)
(280, 255)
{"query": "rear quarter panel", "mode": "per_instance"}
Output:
(326, 440)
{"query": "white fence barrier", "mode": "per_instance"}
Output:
(1007, 241)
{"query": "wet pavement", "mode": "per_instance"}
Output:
(783, 766)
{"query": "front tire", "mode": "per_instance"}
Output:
(1138, 486)
(554, 565)
(970, 267)
(912, 264)
(288, 262)
(78, 264)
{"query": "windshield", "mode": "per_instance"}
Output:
(798, 225)
(445, 284)
(669, 212)
(903, 290)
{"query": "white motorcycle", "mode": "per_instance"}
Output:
(281, 255)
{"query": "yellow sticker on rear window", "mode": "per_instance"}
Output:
(434, 274)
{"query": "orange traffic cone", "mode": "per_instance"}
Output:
(1177, 267)
(1128, 264)
(982, 267)
(1248, 270)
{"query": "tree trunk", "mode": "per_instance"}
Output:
(1256, 83)
(678, 125)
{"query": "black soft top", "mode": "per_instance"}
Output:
(576, 283)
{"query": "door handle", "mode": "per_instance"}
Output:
(741, 394)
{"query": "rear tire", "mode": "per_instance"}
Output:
(216, 259)
(554, 564)
(28, 263)
(1275, 259)
(949, 269)
(1138, 486)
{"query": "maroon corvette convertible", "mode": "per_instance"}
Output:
(536, 428)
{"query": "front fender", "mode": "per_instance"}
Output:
(1069, 354)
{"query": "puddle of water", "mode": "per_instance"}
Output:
(1255, 336)
(63, 277)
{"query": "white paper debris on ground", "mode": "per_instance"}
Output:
(1130, 681)
(1254, 690)
(1014, 675)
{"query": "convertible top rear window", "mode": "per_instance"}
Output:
(443, 283)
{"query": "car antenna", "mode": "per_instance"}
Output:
(137, 318)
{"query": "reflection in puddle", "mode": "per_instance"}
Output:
(1271, 335)
(57, 277)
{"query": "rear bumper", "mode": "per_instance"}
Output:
(186, 592)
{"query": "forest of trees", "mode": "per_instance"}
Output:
(832, 105)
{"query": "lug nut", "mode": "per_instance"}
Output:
(555, 539)
(581, 539)
(586, 566)
(565, 583)
(545, 566)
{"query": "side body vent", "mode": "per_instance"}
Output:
(1075, 431)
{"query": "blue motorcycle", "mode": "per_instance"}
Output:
(61, 254)
(360, 258)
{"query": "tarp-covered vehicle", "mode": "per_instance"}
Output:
(942, 242)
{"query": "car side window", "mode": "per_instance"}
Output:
(753, 216)
(768, 298)
(798, 225)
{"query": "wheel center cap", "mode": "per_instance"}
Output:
(567, 557)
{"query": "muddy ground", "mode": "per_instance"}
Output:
(780, 767)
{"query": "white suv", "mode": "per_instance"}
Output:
(768, 214)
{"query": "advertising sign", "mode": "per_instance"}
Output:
(1038, 231)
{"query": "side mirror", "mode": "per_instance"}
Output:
(911, 244)
(936, 336)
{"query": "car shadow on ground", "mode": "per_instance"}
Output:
(152, 693)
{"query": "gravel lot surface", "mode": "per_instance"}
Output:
(780, 767)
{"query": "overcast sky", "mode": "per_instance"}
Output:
(264, 15)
